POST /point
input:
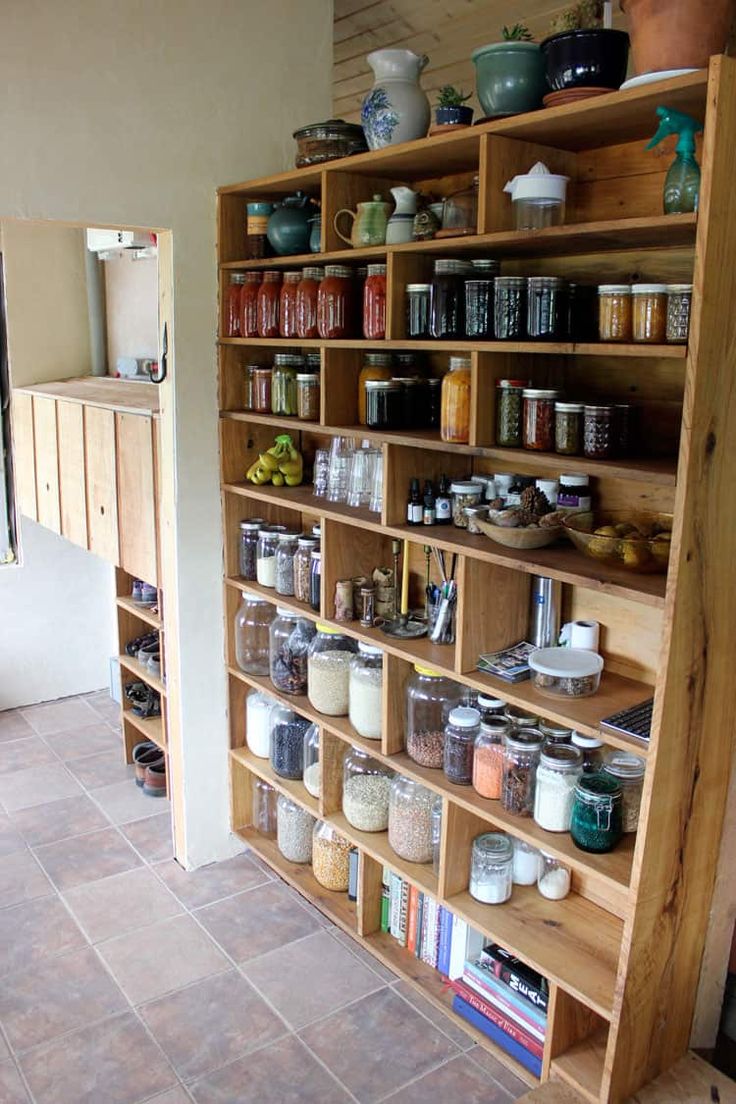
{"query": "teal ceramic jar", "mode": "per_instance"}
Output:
(289, 226)
(509, 77)
(595, 823)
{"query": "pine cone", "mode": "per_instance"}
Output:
(534, 505)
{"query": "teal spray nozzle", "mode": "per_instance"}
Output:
(682, 183)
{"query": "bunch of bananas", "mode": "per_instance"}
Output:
(281, 464)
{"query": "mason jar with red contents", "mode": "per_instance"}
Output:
(334, 302)
(374, 303)
(232, 304)
(268, 305)
(287, 304)
(249, 305)
(306, 302)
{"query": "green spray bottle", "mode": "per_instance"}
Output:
(682, 183)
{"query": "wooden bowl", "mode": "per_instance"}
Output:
(644, 555)
(522, 537)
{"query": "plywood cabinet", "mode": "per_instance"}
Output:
(47, 463)
(70, 439)
(24, 465)
(136, 496)
(101, 483)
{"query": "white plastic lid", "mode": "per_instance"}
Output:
(369, 649)
(463, 716)
(282, 612)
(538, 183)
(566, 662)
(582, 741)
(679, 289)
(649, 289)
(575, 480)
(624, 765)
(466, 487)
(490, 703)
(546, 484)
(614, 289)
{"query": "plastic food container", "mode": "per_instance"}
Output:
(327, 141)
(538, 198)
(464, 494)
(565, 672)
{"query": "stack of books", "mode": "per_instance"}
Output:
(510, 664)
(418, 922)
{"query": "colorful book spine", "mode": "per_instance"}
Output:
(494, 988)
(458, 943)
(443, 961)
(519, 977)
(385, 900)
(403, 910)
(411, 920)
(534, 1046)
(421, 902)
(505, 1007)
(520, 1053)
(395, 911)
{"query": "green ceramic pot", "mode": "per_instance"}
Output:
(509, 77)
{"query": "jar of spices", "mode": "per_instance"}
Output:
(285, 551)
(268, 542)
(417, 310)
(447, 317)
(592, 751)
(287, 742)
(289, 640)
(376, 366)
(330, 858)
(258, 708)
(526, 863)
(679, 299)
(573, 493)
(307, 396)
(614, 312)
(455, 417)
(249, 529)
(569, 428)
(479, 307)
(598, 441)
(328, 668)
(374, 303)
(546, 308)
(488, 757)
(302, 559)
(628, 771)
(335, 302)
(267, 304)
(560, 767)
(306, 302)
(521, 751)
(252, 623)
(538, 430)
(436, 815)
(509, 308)
(509, 399)
(315, 580)
(649, 313)
(430, 697)
(283, 383)
(554, 733)
(463, 726)
(311, 760)
(264, 807)
(519, 719)
(595, 823)
(410, 820)
(262, 376)
(294, 827)
(366, 787)
(287, 304)
(490, 708)
(365, 691)
(383, 404)
(249, 387)
(464, 493)
(554, 879)
(232, 304)
(491, 867)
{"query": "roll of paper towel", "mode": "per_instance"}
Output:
(583, 634)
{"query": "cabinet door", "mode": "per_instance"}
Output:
(24, 459)
(70, 432)
(101, 483)
(47, 462)
(136, 496)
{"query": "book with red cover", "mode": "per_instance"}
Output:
(411, 922)
(508, 1008)
(510, 1027)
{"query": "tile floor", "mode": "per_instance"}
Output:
(124, 979)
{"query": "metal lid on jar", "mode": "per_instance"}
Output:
(555, 731)
(260, 599)
(486, 702)
(486, 264)
(293, 277)
(271, 530)
(597, 789)
(679, 289)
(614, 289)
(262, 368)
(313, 274)
(602, 408)
(515, 383)
(525, 739)
(511, 281)
(521, 718)
(463, 716)
(433, 381)
(286, 537)
(376, 269)
(282, 611)
(575, 480)
(545, 281)
(369, 649)
(307, 542)
(307, 377)
(316, 554)
(563, 757)
(466, 486)
(288, 360)
(588, 743)
(237, 278)
(250, 524)
(493, 727)
(449, 267)
(382, 385)
(459, 362)
(540, 393)
(341, 271)
(648, 289)
(494, 846)
(569, 407)
(418, 289)
(378, 360)
(408, 381)
(625, 766)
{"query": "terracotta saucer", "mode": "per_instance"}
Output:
(572, 95)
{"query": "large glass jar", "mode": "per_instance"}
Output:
(330, 857)
(520, 719)
(376, 366)
(448, 299)
(614, 312)
(289, 640)
(509, 308)
(465, 494)
(262, 376)
(418, 297)
(258, 706)
(307, 396)
(649, 313)
(460, 210)
(249, 304)
(595, 822)
(366, 691)
(569, 428)
(546, 317)
(560, 767)
(455, 418)
(264, 807)
(287, 304)
(429, 699)
(598, 432)
(414, 396)
(267, 305)
(311, 760)
(463, 726)
(521, 752)
(491, 868)
(268, 542)
(555, 733)
(302, 561)
(287, 742)
(283, 383)
(539, 419)
(374, 303)
(488, 757)
(306, 302)
(679, 299)
(410, 820)
(232, 304)
(334, 302)
(479, 307)
(315, 579)
(249, 387)
(328, 668)
(252, 624)
(285, 551)
(592, 751)
(628, 771)
(294, 827)
(366, 785)
(383, 404)
(509, 405)
(249, 529)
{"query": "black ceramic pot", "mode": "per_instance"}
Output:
(586, 59)
(461, 115)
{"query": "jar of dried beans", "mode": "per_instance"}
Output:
(429, 699)
(488, 758)
(302, 558)
(330, 857)
(289, 640)
(463, 725)
(328, 669)
(520, 760)
(410, 820)
(366, 786)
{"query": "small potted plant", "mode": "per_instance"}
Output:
(451, 107)
(510, 74)
(582, 53)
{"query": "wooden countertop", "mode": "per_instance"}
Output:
(124, 396)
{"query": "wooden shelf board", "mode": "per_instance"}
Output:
(544, 348)
(293, 789)
(581, 1066)
(136, 668)
(152, 728)
(141, 612)
(302, 609)
(122, 396)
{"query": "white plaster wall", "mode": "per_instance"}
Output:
(132, 112)
(131, 308)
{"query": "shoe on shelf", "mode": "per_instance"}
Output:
(136, 593)
(146, 701)
(153, 665)
(145, 755)
(149, 595)
(133, 647)
(147, 650)
(154, 783)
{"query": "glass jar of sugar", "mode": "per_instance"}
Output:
(491, 868)
(560, 766)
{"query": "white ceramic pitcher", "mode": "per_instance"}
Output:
(396, 109)
(401, 224)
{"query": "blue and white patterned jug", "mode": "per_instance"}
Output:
(396, 109)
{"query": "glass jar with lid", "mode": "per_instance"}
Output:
(410, 820)
(429, 699)
(383, 404)
(252, 624)
(488, 757)
(306, 302)
(546, 311)
(520, 719)
(418, 310)
(328, 670)
(595, 823)
(232, 304)
(283, 383)
(315, 579)
(268, 542)
(560, 767)
(465, 494)
(460, 209)
(413, 402)
(436, 815)
(330, 857)
(455, 416)
(434, 402)
(461, 730)
(294, 827)
(598, 432)
(302, 560)
(264, 807)
(679, 299)
(335, 302)
(592, 751)
(285, 552)
(249, 387)
(569, 428)
(366, 785)
(491, 868)
(490, 708)
(526, 863)
(366, 691)
(649, 313)
(248, 546)
(521, 751)
(628, 771)
(287, 304)
(509, 308)
(447, 311)
(553, 880)
(538, 431)
(554, 733)
(509, 404)
(376, 366)
(374, 303)
(573, 493)
(287, 742)
(262, 378)
(307, 396)
(289, 640)
(258, 706)
(311, 760)
(249, 304)
(479, 306)
(267, 304)
(614, 312)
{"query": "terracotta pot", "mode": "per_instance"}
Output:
(677, 34)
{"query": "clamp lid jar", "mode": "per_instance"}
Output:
(491, 868)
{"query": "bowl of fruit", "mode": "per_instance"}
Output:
(635, 540)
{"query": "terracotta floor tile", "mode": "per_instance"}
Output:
(87, 858)
(311, 978)
(13, 725)
(498, 1071)
(72, 816)
(105, 706)
(211, 883)
(90, 739)
(10, 838)
(211, 1023)
(169, 955)
(125, 902)
(18, 755)
(21, 879)
(34, 931)
(124, 802)
(114, 1062)
(377, 1044)
(434, 1015)
(4, 1052)
(93, 771)
(363, 955)
(36, 786)
(258, 921)
(459, 1079)
(173, 1096)
(56, 996)
(12, 1090)
(56, 716)
(152, 837)
(283, 1072)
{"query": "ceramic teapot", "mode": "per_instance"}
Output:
(289, 226)
(401, 223)
(396, 109)
(369, 223)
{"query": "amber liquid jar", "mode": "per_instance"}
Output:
(374, 303)
(649, 313)
(334, 302)
(306, 302)
(614, 312)
(455, 415)
(287, 305)
(262, 390)
(539, 419)
(249, 305)
(267, 305)
(232, 305)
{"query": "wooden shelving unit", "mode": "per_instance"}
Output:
(622, 951)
